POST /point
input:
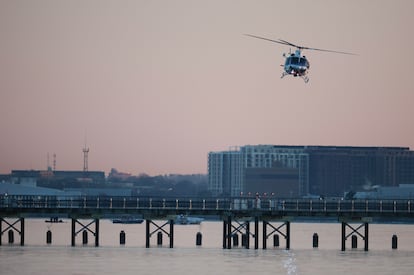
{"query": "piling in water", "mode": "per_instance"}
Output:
(159, 239)
(49, 237)
(276, 240)
(199, 238)
(122, 237)
(85, 237)
(235, 240)
(315, 240)
(11, 236)
(354, 241)
(394, 241)
(244, 240)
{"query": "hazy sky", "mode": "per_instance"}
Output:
(156, 85)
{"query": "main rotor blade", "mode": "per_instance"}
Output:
(275, 41)
(314, 49)
(290, 44)
(322, 50)
(284, 42)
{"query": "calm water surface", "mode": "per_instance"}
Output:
(185, 258)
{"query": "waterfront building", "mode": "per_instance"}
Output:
(292, 171)
(225, 173)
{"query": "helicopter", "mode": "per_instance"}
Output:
(296, 64)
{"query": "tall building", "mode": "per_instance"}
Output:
(292, 171)
(225, 173)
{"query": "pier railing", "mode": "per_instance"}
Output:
(269, 206)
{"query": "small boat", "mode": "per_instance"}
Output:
(54, 220)
(181, 219)
(128, 220)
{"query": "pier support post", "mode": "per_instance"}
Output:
(73, 235)
(247, 234)
(21, 231)
(256, 232)
(224, 234)
(147, 233)
(229, 232)
(13, 228)
(171, 233)
(159, 229)
(84, 228)
(96, 232)
(285, 234)
(354, 233)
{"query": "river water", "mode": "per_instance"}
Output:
(36, 257)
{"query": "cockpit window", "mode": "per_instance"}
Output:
(303, 62)
(294, 60)
(297, 61)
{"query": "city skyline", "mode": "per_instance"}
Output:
(155, 86)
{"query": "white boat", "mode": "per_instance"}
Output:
(183, 219)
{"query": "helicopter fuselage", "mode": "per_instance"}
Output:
(296, 65)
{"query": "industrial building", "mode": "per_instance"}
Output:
(297, 171)
(32, 177)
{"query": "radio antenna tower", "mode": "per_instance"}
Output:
(85, 158)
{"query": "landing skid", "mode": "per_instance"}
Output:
(304, 77)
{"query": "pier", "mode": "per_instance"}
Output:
(236, 214)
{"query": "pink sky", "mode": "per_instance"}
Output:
(156, 85)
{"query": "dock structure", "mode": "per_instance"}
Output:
(11, 228)
(236, 214)
(85, 229)
(159, 229)
(355, 231)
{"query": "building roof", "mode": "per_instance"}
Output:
(20, 190)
